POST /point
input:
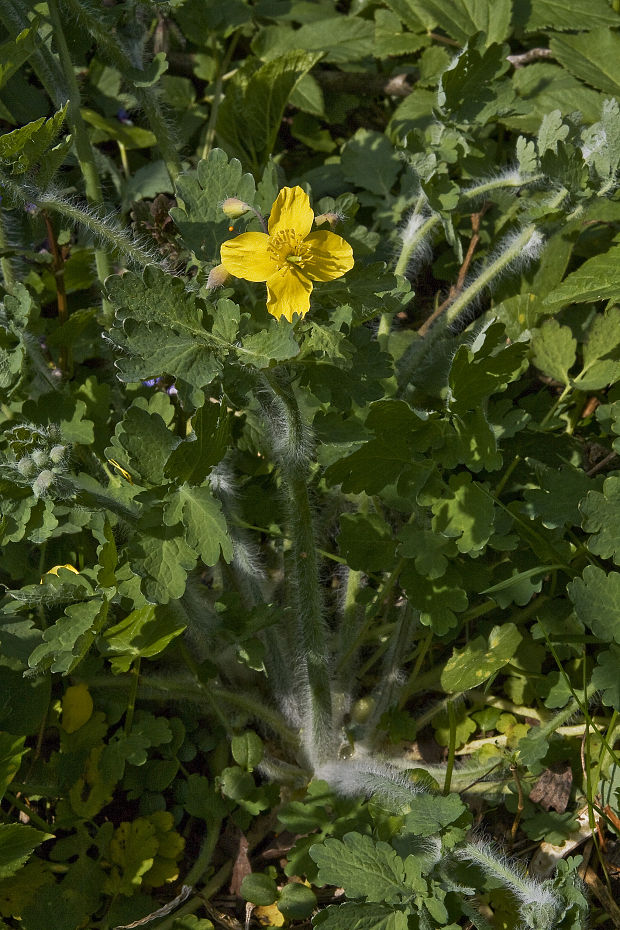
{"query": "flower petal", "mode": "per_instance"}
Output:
(246, 256)
(288, 292)
(291, 210)
(329, 256)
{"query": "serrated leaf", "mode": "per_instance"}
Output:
(556, 502)
(596, 597)
(430, 813)
(194, 457)
(552, 130)
(23, 148)
(201, 515)
(162, 559)
(593, 57)
(437, 599)
(554, 350)
(250, 114)
(142, 444)
(526, 156)
(428, 550)
(469, 667)
(597, 279)
(132, 851)
(465, 19)
(601, 516)
(363, 867)
(601, 142)
(469, 89)
(352, 916)
(605, 676)
(560, 15)
(17, 842)
(275, 343)
(144, 632)
(338, 39)
(161, 329)
(67, 641)
(201, 192)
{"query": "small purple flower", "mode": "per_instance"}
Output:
(171, 391)
(151, 382)
(123, 116)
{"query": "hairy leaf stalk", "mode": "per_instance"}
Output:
(290, 450)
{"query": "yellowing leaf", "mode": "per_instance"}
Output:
(77, 707)
(269, 915)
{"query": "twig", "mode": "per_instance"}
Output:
(602, 464)
(593, 881)
(456, 289)
(534, 54)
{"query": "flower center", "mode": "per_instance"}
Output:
(286, 246)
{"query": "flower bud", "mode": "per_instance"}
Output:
(39, 457)
(57, 454)
(234, 208)
(43, 482)
(26, 466)
(217, 277)
(331, 218)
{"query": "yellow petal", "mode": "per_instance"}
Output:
(291, 210)
(329, 256)
(54, 570)
(288, 292)
(246, 256)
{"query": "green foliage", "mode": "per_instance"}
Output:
(254, 570)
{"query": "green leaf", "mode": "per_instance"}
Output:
(351, 916)
(338, 39)
(469, 667)
(596, 597)
(132, 853)
(23, 148)
(601, 142)
(247, 750)
(202, 800)
(370, 161)
(554, 350)
(437, 599)
(11, 752)
(465, 513)
(16, 51)
(601, 516)
(259, 889)
(428, 550)
(605, 676)
(200, 193)
(366, 542)
(603, 336)
(201, 515)
(463, 20)
(251, 112)
(194, 457)
(160, 329)
(131, 137)
(469, 89)
(144, 632)
(275, 343)
(557, 501)
(142, 444)
(560, 15)
(363, 867)
(17, 842)
(67, 641)
(161, 558)
(593, 57)
(597, 279)
(296, 901)
(431, 813)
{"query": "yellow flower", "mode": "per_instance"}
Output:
(289, 257)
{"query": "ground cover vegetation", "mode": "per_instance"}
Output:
(310, 371)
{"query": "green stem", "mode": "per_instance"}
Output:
(205, 855)
(289, 445)
(5, 261)
(83, 147)
(217, 95)
(555, 406)
(501, 484)
(451, 747)
(32, 817)
(423, 648)
(108, 44)
(133, 693)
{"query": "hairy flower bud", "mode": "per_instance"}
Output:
(43, 482)
(233, 208)
(57, 454)
(40, 458)
(331, 218)
(217, 277)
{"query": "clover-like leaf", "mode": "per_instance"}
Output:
(601, 516)
(596, 597)
(465, 513)
(469, 667)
